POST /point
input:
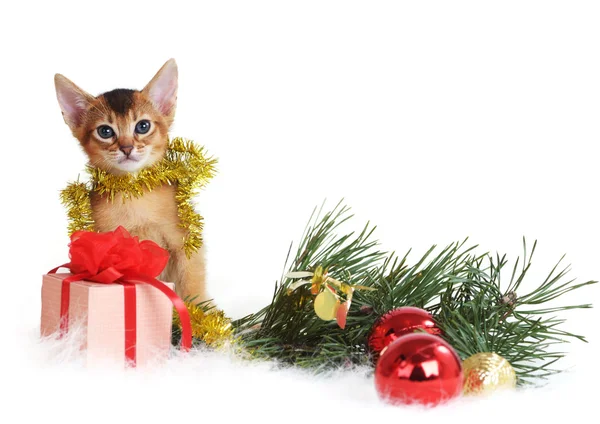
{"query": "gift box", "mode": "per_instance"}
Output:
(97, 314)
(111, 297)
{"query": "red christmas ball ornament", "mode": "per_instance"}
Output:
(419, 368)
(397, 323)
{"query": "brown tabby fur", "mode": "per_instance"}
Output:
(154, 215)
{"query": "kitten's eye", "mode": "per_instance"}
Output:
(104, 131)
(142, 127)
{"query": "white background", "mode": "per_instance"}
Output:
(434, 120)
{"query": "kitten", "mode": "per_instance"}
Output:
(124, 131)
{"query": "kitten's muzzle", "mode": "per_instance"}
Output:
(126, 149)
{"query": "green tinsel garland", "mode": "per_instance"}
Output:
(184, 167)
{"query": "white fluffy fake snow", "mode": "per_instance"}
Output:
(53, 385)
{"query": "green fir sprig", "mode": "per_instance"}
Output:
(458, 286)
(288, 329)
(477, 314)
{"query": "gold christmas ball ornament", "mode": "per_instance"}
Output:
(486, 372)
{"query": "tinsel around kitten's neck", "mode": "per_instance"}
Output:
(184, 166)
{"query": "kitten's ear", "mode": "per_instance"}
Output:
(162, 90)
(73, 100)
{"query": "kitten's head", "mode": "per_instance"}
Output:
(122, 130)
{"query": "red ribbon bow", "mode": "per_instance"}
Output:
(116, 257)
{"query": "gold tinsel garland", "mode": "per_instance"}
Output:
(212, 327)
(184, 167)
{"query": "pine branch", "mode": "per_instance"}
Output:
(289, 330)
(478, 316)
(460, 288)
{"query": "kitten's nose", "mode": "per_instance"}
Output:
(126, 149)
